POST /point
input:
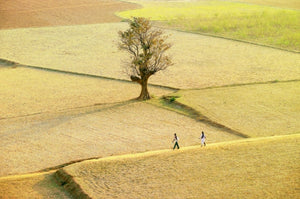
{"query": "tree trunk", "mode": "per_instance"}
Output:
(144, 92)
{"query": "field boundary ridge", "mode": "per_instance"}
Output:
(188, 148)
(70, 184)
(230, 39)
(194, 114)
(9, 63)
(245, 84)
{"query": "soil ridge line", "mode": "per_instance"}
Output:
(202, 118)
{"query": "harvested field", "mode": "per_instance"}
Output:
(200, 61)
(28, 91)
(36, 13)
(256, 168)
(38, 185)
(255, 110)
(46, 140)
(53, 119)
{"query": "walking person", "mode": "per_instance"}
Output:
(176, 141)
(203, 139)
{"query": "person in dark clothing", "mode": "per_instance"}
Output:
(176, 141)
(203, 139)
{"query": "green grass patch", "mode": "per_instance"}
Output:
(291, 4)
(260, 24)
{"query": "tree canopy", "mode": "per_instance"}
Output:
(146, 47)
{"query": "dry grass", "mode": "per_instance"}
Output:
(46, 140)
(40, 185)
(263, 168)
(29, 91)
(35, 13)
(200, 61)
(255, 110)
(48, 119)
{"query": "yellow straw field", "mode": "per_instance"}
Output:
(70, 125)
(255, 110)
(38, 185)
(261, 168)
(199, 61)
(28, 91)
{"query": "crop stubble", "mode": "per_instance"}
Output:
(60, 47)
(40, 141)
(245, 169)
(199, 61)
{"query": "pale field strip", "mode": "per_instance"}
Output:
(199, 61)
(255, 110)
(43, 184)
(248, 168)
(42, 141)
(26, 91)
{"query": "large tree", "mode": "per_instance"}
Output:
(146, 46)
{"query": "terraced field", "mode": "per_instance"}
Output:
(47, 140)
(29, 91)
(256, 110)
(244, 169)
(199, 61)
(70, 125)
(40, 185)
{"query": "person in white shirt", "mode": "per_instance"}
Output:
(203, 139)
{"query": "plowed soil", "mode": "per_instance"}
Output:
(36, 13)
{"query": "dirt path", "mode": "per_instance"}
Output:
(36, 13)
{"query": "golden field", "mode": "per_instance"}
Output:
(256, 168)
(40, 185)
(49, 118)
(29, 91)
(199, 61)
(52, 119)
(48, 140)
(255, 110)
